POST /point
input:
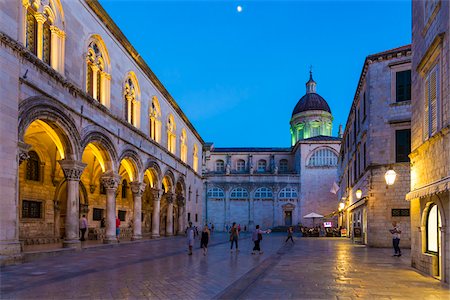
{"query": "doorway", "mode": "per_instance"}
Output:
(288, 218)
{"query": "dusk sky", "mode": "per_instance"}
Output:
(238, 75)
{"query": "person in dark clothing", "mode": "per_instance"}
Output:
(205, 239)
(257, 238)
(290, 232)
(234, 236)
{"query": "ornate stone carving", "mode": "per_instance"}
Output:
(110, 181)
(181, 201)
(228, 169)
(72, 169)
(155, 194)
(23, 152)
(169, 197)
(138, 188)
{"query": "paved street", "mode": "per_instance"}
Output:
(311, 269)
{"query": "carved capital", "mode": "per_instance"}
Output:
(169, 197)
(181, 201)
(138, 188)
(110, 180)
(40, 18)
(155, 194)
(23, 151)
(72, 169)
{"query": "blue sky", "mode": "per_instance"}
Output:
(238, 76)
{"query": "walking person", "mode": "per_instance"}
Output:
(290, 233)
(205, 239)
(257, 238)
(234, 236)
(395, 231)
(83, 227)
(190, 236)
(117, 229)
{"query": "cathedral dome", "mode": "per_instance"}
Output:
(311, 100)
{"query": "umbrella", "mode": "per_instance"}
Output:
(312, 215)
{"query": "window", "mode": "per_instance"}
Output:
(262, 164)
(323, 158)
(171, 136)
(240, 165)
(402, 145)
(97, 79)
(239, 193)
(400, 212)
(102, 189)
(46, 40)
(189, 216)
(122, 214)
(183, 147)
(131, 100)
(430, 6)
(364, 106)
(432, 103)
(220, 166)
(288, 193)
(155, 123)
(403, 86)
(124, 188)
(195, 158)
(97, 214)
(196, 218)
(283, 165)
(33, 171)
(364, 157)
(315, 131)
(31, 209)
(216, 193)
(31, 31)
(263, 193)
(433, 227)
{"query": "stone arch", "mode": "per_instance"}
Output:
(97, 135)
(169, 177)
(433, 200)
(55, 115)
(131, 154)
(103, 49)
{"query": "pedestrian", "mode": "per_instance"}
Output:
(83, 227)
(190, 236)
(290, 233)
(102, 223)
(239, 228)
(234, 236)
(257, 238)
(205, 239)
(117, 229)
(212, 227)
(395, 231)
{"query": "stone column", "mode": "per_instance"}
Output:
(181, 204)
(110, 181)
(137, 188)
(72, 171)
(155, 213)
(169, 224)
(40, 20)
(54, 50)
(275, 204)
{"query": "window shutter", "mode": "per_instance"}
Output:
(426, 125)
(433, 100)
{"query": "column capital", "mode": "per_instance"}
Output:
(138, 188)
(110, 180)
(72, 169)
(23, 151)
(40, 18)
(169, 197)
(181, 201)
(155, 194)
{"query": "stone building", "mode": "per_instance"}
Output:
(377, 138)
(87, 128)
(276, 186)
(430, 139)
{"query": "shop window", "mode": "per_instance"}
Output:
(31, 209)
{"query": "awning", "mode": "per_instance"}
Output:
(435, 188)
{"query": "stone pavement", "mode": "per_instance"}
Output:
(312, 269)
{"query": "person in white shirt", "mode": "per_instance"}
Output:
(83, 226)
(395, 231)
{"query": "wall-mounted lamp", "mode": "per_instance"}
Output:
(341, 206)
(358, 193)
(390, 176)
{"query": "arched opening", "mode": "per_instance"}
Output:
(433, 237)
(148, 197)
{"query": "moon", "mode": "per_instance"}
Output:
(239, 8)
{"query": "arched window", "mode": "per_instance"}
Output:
(262, 165)
(263, 193)
(240, 165)
(155, 122)
(130, 101)
(44, 32)
(433, 229)
(323, 158)
(33, 171)
(239, 193)
(97, 78)
(283, 166)
(220, 166)
(183, 146)
(288, 193)
(195, 158)
(216, 193)
(171, 135)
(124, 188)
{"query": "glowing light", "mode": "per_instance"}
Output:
(390, 177)
(341, 206)
(53, 136)
(358, 193)
(239, 8)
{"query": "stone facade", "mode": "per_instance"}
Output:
(87, 128)
(372, 143)
(430, 139)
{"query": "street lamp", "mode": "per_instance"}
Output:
(390, 176)
(358, 193)
(341, 206)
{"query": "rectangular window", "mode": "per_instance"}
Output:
(364, 105)
(240, 166)
(364, 156)
(142, 217)
(402, 145)
(358, 120)
(196, 218)
(400, 212)
(31, 209)
(403, 86)
(97, 214)
(189, 216)
(355, 170)
(122, 214)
